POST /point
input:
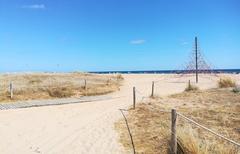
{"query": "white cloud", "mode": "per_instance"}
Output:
(184, 43)
(141, 41)
(34, 6)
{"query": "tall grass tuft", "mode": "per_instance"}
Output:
(226, 83)
(236, 89)
(60, 92)
(120, 77)
(191, 87)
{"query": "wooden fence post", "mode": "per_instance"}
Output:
(85, 84)
(134, 97)
(11, 90)
(189, 83)
(174, 132)
(152, 89)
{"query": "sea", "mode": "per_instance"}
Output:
(230, 71)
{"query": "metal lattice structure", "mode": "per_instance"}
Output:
(197, 63)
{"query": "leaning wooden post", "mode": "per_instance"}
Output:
(11, 90)
(174, 132)
(134, 97)
(152, 89)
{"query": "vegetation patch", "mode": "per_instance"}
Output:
(191, 87)
(216, 109)
(236, 90)
(60, 92)
(28, 86)
(226, 82)
(120, 77)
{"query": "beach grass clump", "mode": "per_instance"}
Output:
(34, 81)
(191, 87)
(226, 83)
(101, 89)
(120, 77)
(236, 89)
(195, 141)
(60, 92)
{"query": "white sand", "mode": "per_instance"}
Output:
(82, 128)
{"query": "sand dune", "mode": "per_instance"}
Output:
(32, 86)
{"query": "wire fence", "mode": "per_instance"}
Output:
(142, 96)
(175, 140)
(11, 88)
(207, 129)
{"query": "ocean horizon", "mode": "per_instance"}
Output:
(231, 71)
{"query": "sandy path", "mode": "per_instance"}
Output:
(79, 128)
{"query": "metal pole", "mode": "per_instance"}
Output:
(196, 52)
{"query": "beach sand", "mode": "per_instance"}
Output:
(85, 127)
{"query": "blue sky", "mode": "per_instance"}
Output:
(101, 35)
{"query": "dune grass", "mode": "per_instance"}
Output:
(236, 89)
(226, 82)
(191, 87)
(28, 86)
(215, 109)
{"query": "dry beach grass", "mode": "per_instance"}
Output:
(29, 86)
(226, 82)
(218, 109)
